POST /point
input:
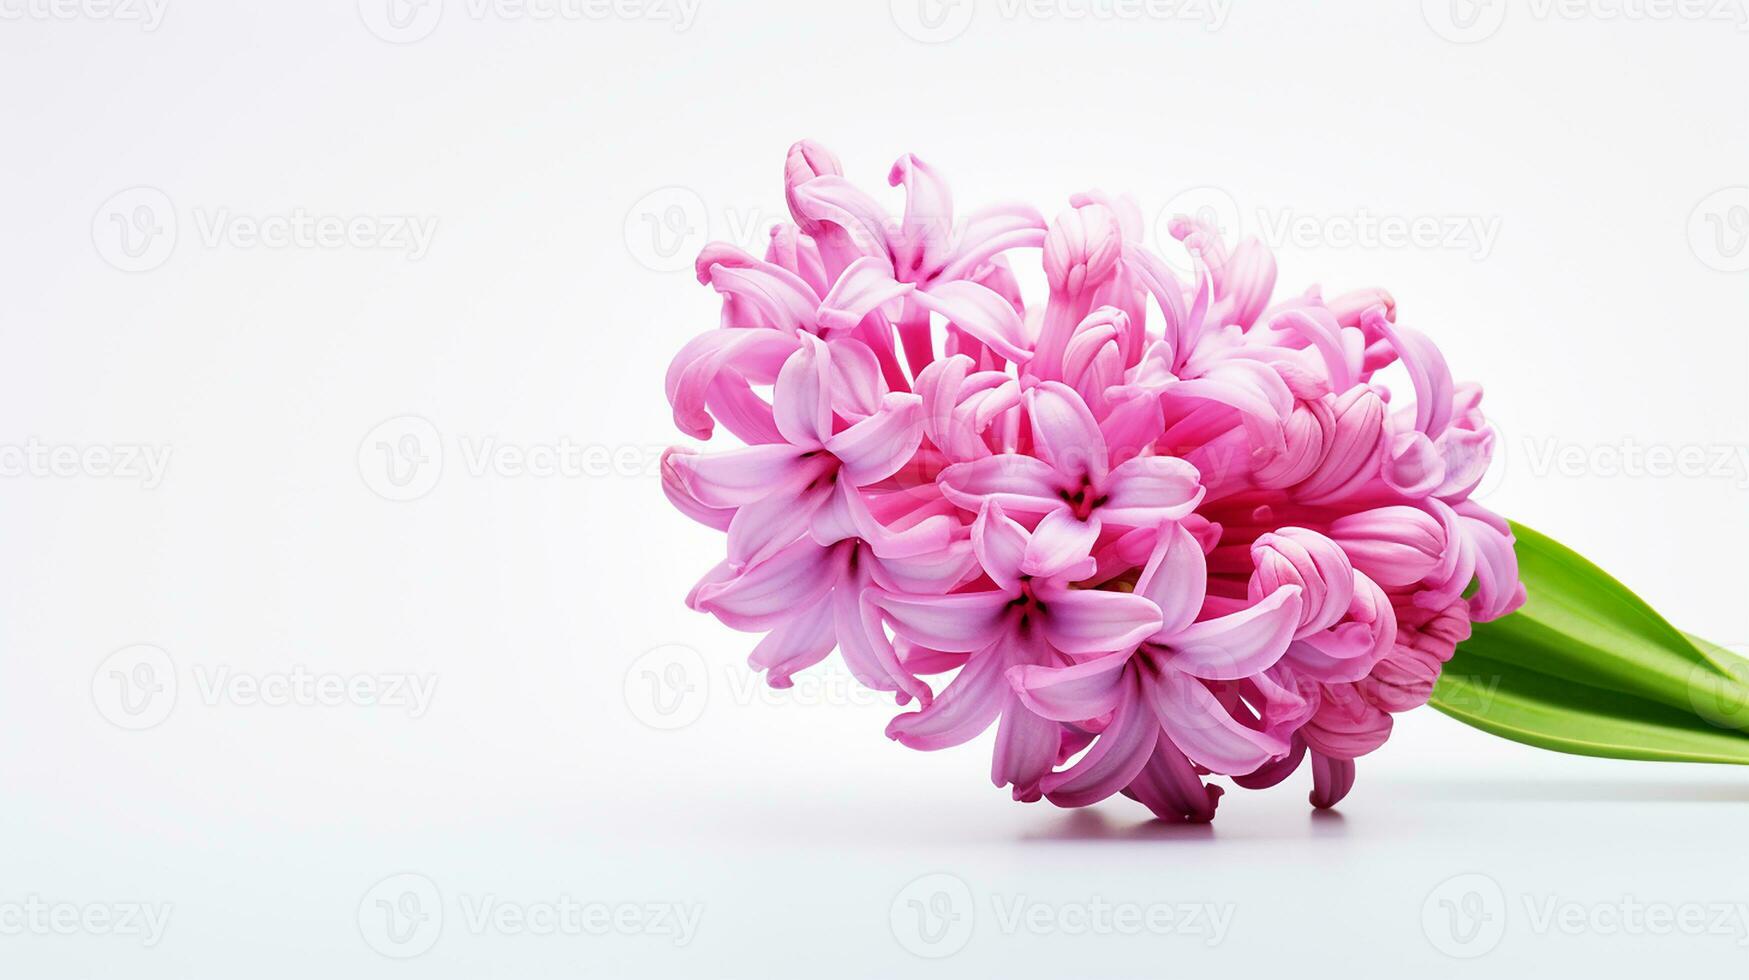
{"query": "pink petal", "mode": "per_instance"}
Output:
(1170, 787)
(840, 516)
(958, 405)
(675, 490)
(864, 644)
(1203, 729)
(802, 400)
(988, 232)
(1000, 544)
(1325, 334)
(1088, 621)
(776, 297)
(934, 572)
(1272, 773)
(1394, 546)
(924, 236)
(922, 660)
(865, 286)
(963, 710)
(1114, 760)
(764, 596)
(1150, 490)
(1093, 336)
(1341, 654)
(1252, 388)
(843, 219)
(878, 446)
(1133, 424)
(1081, 250)
(1498, 590)
(1354, 448)
(1065, 434)
(1058, 544)
(845, 514)
(981, 312)
(1347, 724)
(1239, 644)
(789, 249)
(805, 161)
(1247, 278)
(742, 476)
(1026, 749)
(763, 526)
(989, 403)
(756, 354)
(857, 385)
(1283, 698)
(745, 414)
(1467, 453)
(939, 386)
(952, 623)
(1303, 435)
(1317, 565)
(1160, 282)
(1175, 580)
(1427, 371)
(796, 645)
(1331, 780)
(1019, 484)
(1076, 693)
(1412, 466)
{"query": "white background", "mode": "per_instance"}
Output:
(572, 165)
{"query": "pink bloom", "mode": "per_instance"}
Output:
(1159, 686)
(1068, 470)
(1033, 615)
(1154, 531)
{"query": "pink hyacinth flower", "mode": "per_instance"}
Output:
(1155, 531)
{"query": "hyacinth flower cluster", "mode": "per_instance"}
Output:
(1157, 528)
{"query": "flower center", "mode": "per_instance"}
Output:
(1083, 500)
(826, 468)
(1027, 605)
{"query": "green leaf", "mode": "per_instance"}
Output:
(1587, 667)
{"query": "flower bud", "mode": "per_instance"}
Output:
(1426, 639)
(1348, 307)
(1412, 466)
(1246, 281)
(1352, 453)
(1081, 249)
(805, 161)
(1394, 546)
(1317, 565)
(1093, 361)
(1304, 432)
(1346, 725)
